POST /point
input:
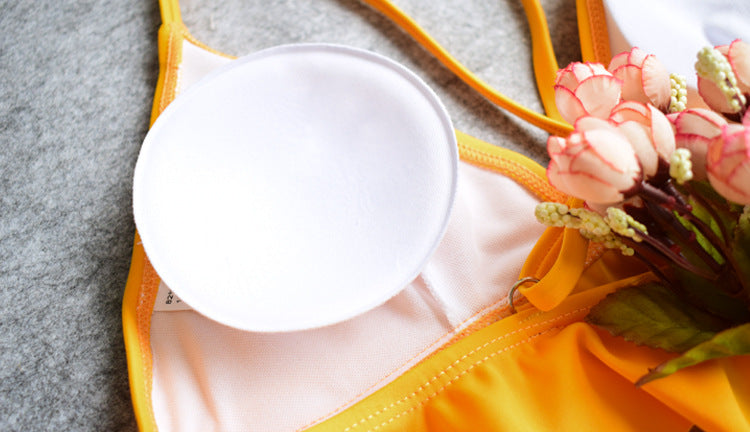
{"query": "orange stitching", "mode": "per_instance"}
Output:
(477, 363)
(491, 316)
(167, 67)
(171, 68)
(514, 170)
(456, 362)
(381, 379)
(599, 33)
(146, 299)
(150, 279)
(486, 311)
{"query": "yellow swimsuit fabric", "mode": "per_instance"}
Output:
(541, 369)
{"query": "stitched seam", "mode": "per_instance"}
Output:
(150, 278)
(514, 170)
(167, 76)
(598, 26)
(146, 298)
(172, 72)
(491, 316)
(457, 377)
(428, 383)
(522, 175)
(381, 379)
(486, 311)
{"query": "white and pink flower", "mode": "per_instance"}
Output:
(728, 163)
(648, 131)
(695, 128)
(644, 78)
(595, 163)
(586, 89)
(724, 82)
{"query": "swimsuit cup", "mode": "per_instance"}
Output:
(450, 352)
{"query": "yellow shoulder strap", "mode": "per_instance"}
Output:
(543, 56)
(592, 31)
(543, 59)
(545, 64)
(170, 11)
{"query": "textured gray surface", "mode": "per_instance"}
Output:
(76, 81)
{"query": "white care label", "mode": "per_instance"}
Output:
(167, 301)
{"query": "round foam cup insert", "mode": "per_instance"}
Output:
(296, 187)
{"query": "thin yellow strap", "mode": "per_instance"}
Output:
(592, 31)
(553, 126)
(543, 55)
(170, 11)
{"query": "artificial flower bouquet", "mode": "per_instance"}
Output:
(668, 185)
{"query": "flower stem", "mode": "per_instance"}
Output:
(658, 196)
(672, 190)
(674, 257)
(667, 218)
(643, 251)
(639, 250)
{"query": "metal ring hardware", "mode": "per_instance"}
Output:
(513, 289)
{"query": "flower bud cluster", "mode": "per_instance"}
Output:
(556, 215)
(590, 224)
(624, 224)
(680, 166)
(695, 130)
(677, 93)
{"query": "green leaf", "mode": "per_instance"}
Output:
(731, 342)
(654, 316)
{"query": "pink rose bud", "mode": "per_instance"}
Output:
(644, 78)
(586, 89)
(728, 163)
(595, 163)
(649, 132)
(695, 128)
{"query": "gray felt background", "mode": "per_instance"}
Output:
(76, 82)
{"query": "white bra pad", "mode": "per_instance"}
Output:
(296, 187)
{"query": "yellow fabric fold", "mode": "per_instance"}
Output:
(563, 276)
